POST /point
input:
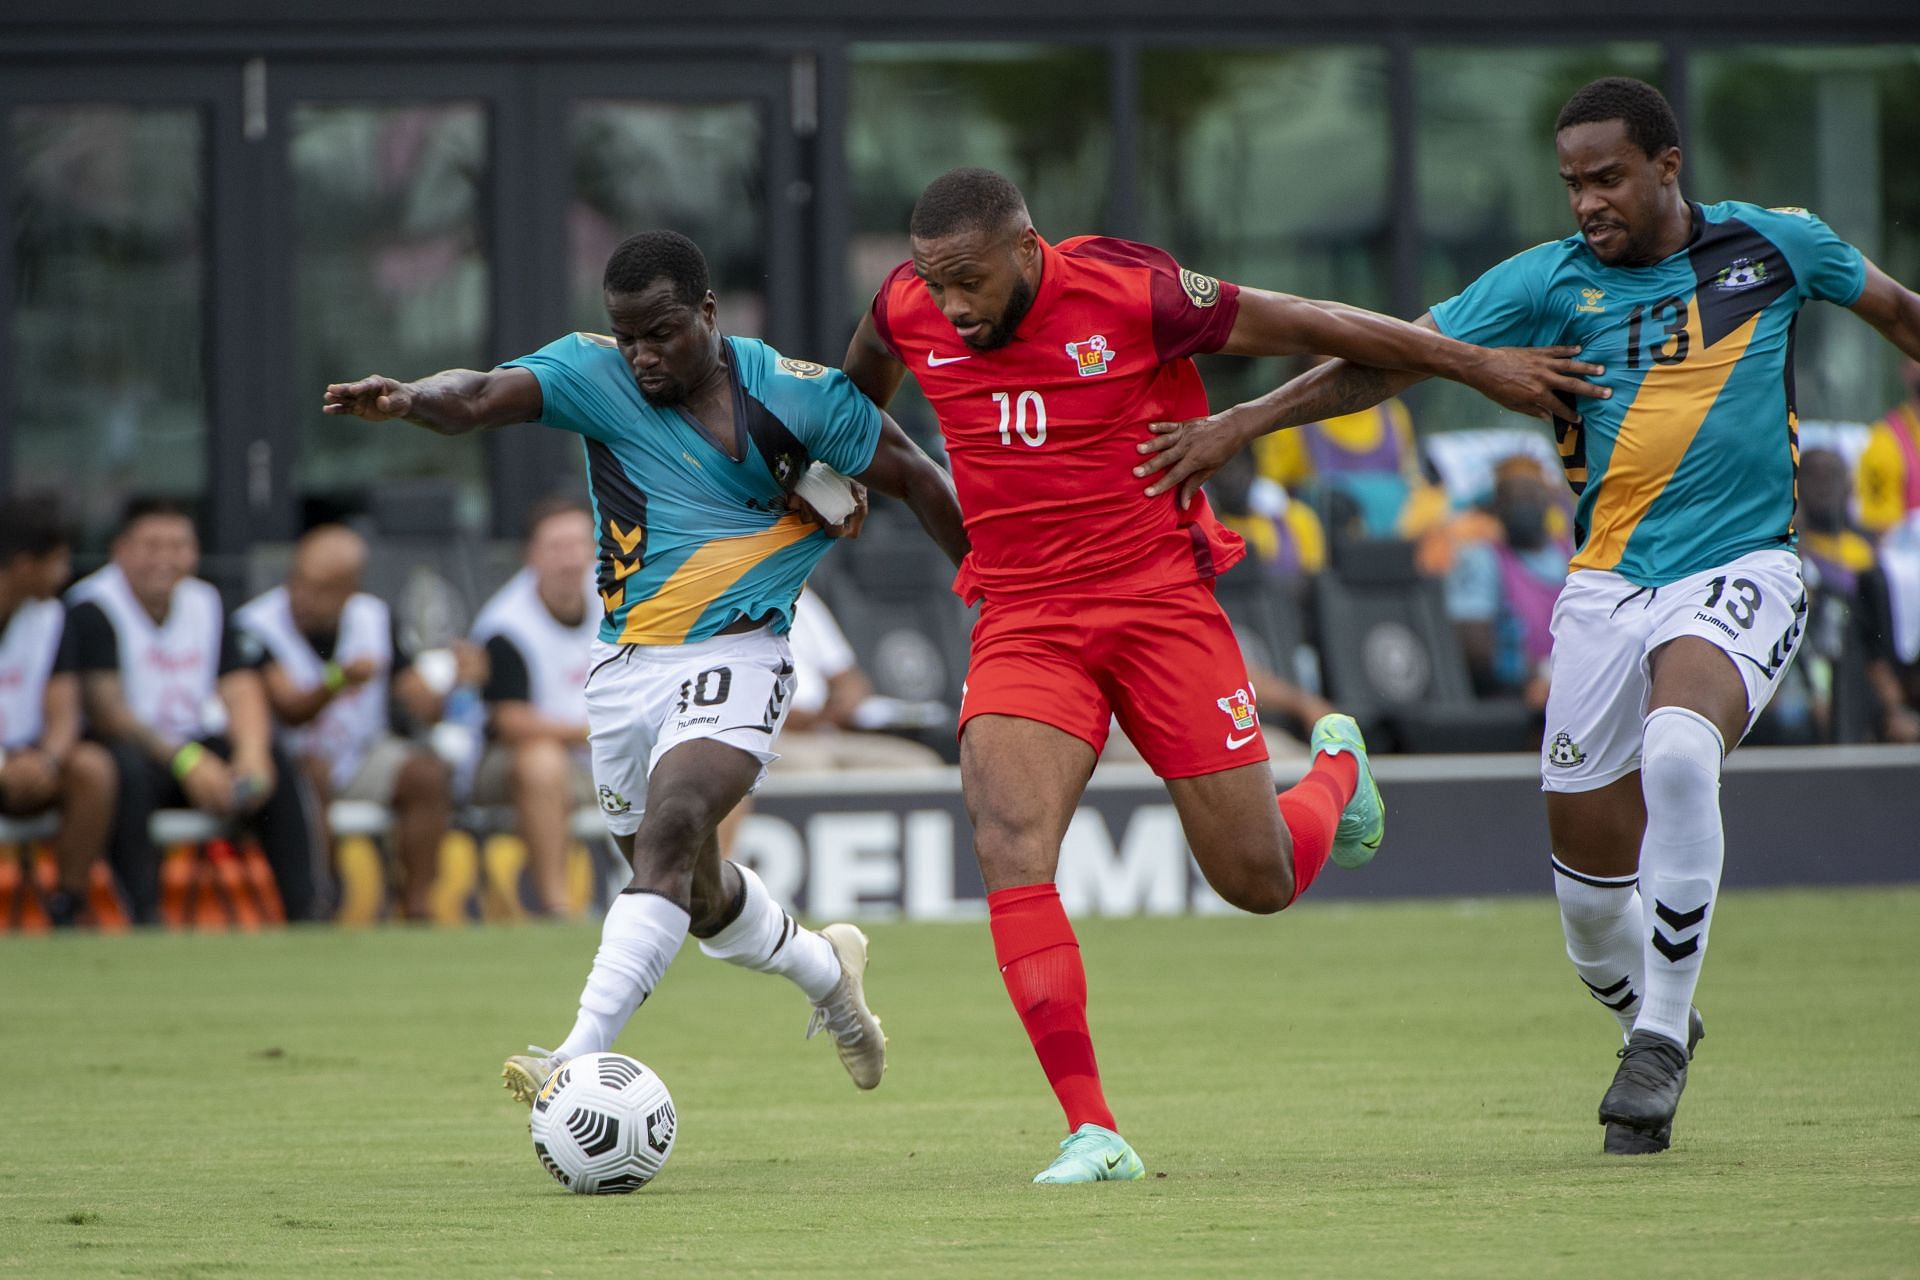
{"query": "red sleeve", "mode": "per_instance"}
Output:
(1192, 313)
(883, 306)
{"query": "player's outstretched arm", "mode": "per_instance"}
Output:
(1182, 455)
(871, 364)
(1892, 308)
(1529, 380)
(900, 469)
(452, 403)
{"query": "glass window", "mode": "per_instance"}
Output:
(1486, 175)
(696, 169)
(1833, 130)
(108, 329)
(1269, 168)
(389, 277)
(1039, 115)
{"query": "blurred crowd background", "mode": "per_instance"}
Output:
(208, 218)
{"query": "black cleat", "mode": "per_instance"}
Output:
(1622, 1140)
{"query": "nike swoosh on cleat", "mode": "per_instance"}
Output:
(934, 361)
(1113, 1162)
(1234, 744)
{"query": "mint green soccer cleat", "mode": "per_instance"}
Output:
(1093, 1154)
(1364, 821)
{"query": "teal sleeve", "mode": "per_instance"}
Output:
(837, 423)
(1827, 268)
(1503, 307)
(572, 397)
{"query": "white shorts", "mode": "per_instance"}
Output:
(645, 700)
(1605, 630)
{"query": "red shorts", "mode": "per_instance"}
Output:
(1166, 666)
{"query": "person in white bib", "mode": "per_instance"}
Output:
(44, 765)
(341, 681)
(172, 689)
(538, 630)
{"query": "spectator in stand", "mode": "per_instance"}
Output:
(1362, 470)
(44, 765)
(1502, 588)
(1835, 554)
(1284, 536)
(173, 689)
(342, 683)
(824, 729)
(1890, 616)
(538, 630)
(1889, 475)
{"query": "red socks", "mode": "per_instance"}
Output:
(1311, 809)
(1040, 963)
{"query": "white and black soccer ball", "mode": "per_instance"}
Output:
(603, 1124)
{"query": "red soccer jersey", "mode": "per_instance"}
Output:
(1042, 432)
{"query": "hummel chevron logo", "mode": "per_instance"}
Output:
(1675, 952)
(1601, 994)
(1679, 921)
(934, 361)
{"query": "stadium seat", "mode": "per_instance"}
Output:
(1390, 658)
(1267, 621)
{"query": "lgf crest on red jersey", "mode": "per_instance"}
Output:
(1091, 356)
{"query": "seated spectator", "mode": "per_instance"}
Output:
(1361, 469)
(1502, 587)
(172, 689)
(1835, 554)
(1890, 617)
(1283, 536)
(537, 630)
(1889, 470)
(833, 702)
(43, 763)
(340, 680)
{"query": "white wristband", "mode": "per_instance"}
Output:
(827, 492)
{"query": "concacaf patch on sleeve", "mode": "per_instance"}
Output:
(801, 368)
(1202, 291)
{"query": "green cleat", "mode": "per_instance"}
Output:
(1364, 821)
(1093, 1154)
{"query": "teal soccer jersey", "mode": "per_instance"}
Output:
(690, 539)
(1691, 463)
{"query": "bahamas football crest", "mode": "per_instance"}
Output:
(1741, 273)
(1091, 357)
(1564, 753)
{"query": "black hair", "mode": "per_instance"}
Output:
(1635, 103)
(966, 200)
(557, 504)
(642, 259)
(32, 524)
(142, 505)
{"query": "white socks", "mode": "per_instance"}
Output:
(1606, 936)
(642, 933)
(766, 939)
(1680, 861)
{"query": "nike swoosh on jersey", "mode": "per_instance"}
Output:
(1234, 744)
(934, 361)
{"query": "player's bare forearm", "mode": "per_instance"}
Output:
(292, 705)
(60, 716)
(107, 711)
(1186, 454)
(871, 365)
(249, 722)
(901, 469)
(1893, 309)
(452, 402)
(1278, 324)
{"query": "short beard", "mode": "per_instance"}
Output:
(1019, 302)
(672, 397)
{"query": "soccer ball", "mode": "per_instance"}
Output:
(603, 1125)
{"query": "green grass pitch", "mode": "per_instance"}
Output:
(1370, 1090)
